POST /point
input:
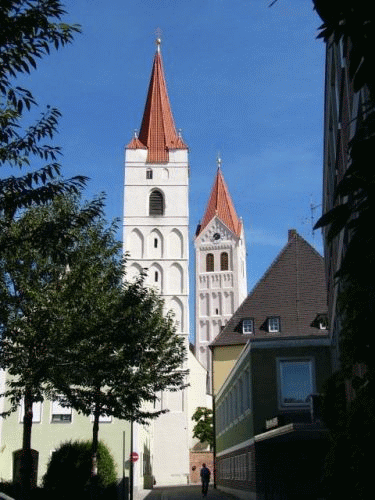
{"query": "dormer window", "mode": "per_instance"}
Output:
(248, 326)
(273, 324)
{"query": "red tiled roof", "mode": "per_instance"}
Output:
(220, 203)
(135, 143)
(158, 132)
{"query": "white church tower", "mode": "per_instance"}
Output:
(156, 218)
(220, 269)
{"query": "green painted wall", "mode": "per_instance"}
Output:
(47, 436)
(237, 433)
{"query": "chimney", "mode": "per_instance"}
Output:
(292, 233)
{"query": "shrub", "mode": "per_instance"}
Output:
(69, 471)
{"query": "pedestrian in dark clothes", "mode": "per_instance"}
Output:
(205, 478)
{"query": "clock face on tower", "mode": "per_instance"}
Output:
(216, 236)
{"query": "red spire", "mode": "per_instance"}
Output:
(158, 132)
(221, 205)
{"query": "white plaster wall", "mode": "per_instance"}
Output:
(218, 293)
(170, 436)
(198, 396)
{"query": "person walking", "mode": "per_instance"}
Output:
(205, 478)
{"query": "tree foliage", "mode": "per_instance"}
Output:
(353, 212)
(351, 421)
(37, 249)
(124, 349)
(203, 429)
(74, 329)
(29, 30)
(31, 280)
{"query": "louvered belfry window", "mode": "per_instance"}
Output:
(209, 263)
(156, 203)
(224, 263)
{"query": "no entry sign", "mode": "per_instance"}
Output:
(134, 456)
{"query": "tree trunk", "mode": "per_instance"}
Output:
(94, 453)
(26, 469)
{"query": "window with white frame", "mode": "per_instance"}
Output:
(60, 414)
(273, 324)
(296, 382)
(248, 326)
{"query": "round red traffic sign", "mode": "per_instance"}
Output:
(134, 456)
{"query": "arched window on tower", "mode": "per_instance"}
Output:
(224, 262)
(209, 262)
(156, 203)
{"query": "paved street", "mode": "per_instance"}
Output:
(185, 493)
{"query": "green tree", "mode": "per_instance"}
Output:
(29, 30)
(204, 428)
(31, 280)
(73, 328)
(124, 349)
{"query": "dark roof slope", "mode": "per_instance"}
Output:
(293, 288)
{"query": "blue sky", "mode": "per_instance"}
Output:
(243, 79)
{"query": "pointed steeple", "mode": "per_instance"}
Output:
(158, 132)
(220, 204)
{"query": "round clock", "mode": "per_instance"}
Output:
(216, 236)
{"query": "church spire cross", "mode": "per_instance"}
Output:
(158, 43)
(218, 160)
